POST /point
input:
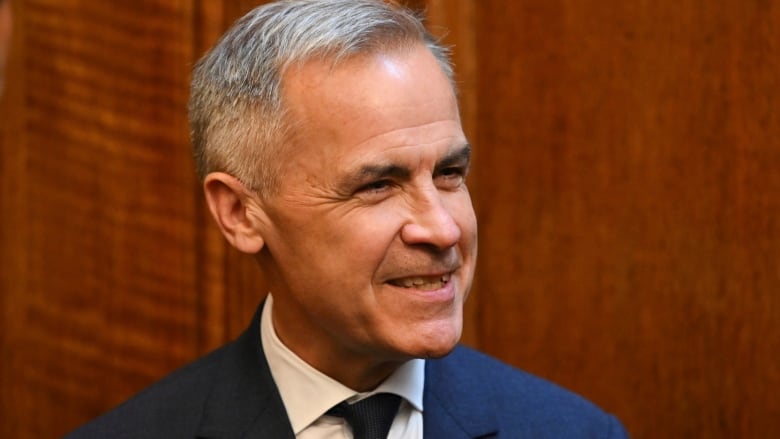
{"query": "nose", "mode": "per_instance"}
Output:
(432, 222)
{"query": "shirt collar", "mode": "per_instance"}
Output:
(308, 393)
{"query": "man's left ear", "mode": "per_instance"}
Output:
(230, 203)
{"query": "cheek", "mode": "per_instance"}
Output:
(463, 213)
(371, 235)
(360, 240)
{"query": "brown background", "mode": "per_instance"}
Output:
(627, 182)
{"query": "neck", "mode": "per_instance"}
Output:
(359, 371)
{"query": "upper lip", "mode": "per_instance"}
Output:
(445, 265)
(430, 274)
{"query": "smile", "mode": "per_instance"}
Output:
(423, 282)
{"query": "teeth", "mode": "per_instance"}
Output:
(423, 283)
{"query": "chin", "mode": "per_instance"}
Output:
(440, 352)
(434, 342)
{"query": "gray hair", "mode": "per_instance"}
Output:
(236, 112)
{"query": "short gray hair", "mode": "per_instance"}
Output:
(236, 112)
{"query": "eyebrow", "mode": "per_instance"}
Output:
(458, 157)
(366, 173)
(378, 172)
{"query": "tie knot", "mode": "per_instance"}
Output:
(370, 418)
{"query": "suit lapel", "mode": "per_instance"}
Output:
(243, 401)
(452, 405)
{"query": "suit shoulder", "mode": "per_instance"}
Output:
(169, 408)
(501, 379)
(523, 402)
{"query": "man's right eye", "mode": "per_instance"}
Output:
(376, 186)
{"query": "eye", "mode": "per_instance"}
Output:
(451, 177)
(452, 172)
(375, 186)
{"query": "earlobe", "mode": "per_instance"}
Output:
(229, 200)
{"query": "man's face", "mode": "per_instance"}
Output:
(371, 238)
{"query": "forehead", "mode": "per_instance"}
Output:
(395, 101)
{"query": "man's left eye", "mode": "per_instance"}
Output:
(451, 176)
(452, 172)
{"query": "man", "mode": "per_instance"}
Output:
(328, 137)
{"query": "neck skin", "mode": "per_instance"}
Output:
(358, 371)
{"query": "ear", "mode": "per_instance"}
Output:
(230, 203)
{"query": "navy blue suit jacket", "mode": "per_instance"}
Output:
(230, 394)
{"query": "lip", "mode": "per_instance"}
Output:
(444, 293)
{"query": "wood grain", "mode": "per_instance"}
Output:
(101, 300)
(625, 178)
(628, 169)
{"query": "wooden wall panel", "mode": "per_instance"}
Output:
(625, 179)
(628, 200)
(98, 297)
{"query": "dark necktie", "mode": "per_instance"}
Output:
(370, 418)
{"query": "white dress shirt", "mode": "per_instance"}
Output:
(308, 393)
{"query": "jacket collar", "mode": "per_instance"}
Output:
(452, 403)
(243, 401)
